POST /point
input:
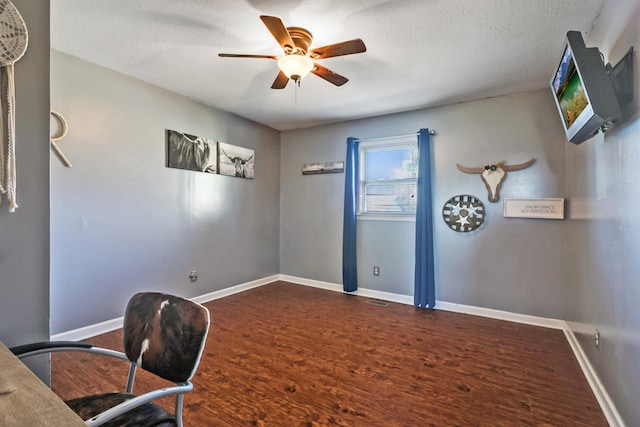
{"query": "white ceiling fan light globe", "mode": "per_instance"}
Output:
(295, 66)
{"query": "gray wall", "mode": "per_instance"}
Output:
(109, 197)
(508, 264)
(24, 235)
(603, 186)
(122, 222)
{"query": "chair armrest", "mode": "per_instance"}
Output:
(130, 404)
(23, 351)
(46, 345)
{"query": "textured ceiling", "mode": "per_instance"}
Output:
(420, 53)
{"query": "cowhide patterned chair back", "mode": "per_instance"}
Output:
(162, 334)
(165, 334)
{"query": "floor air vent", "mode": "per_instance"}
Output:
(376, 303)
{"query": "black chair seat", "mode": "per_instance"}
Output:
(147, 415)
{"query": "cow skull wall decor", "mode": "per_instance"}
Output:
(493, 175)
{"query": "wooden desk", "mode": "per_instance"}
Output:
(27, 401)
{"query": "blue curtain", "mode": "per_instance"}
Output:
(424, 292)
(349, 259)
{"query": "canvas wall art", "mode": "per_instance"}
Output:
(185, 151)
(235, 161)
(326, 167)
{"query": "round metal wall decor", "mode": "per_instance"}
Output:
(463, 213)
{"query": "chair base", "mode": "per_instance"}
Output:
(147, 415)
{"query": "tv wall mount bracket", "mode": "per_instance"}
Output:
(621, 76)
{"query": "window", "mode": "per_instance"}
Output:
(388, 176)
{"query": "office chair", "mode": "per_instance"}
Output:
(162, 334)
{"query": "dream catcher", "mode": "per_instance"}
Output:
(13, 44)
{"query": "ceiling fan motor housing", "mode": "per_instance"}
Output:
(302, 39)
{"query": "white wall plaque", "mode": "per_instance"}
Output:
(534, 208)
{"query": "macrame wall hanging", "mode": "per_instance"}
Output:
(13, 44)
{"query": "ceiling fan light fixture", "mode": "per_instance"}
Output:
(295, 66)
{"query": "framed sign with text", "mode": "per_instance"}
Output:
(534, 208)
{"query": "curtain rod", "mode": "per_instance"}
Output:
(431, 132)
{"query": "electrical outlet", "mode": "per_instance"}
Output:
(376, 271)
(597, 337)
(193, 276)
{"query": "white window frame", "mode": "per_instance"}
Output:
(409, 141)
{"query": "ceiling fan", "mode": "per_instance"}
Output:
(298, 60)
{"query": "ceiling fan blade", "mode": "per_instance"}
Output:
(328, 75)
(345, 48)
(281, 81)
(279, 32)
(239, 55)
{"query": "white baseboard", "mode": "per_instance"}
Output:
(113, 324)
(544, 322)
(606, 404)
(369, 293)
(235, 289)
(89, 331)
(440, 305)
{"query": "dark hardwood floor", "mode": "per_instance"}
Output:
(290, 355)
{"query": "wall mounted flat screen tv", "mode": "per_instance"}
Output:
(584, 94)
